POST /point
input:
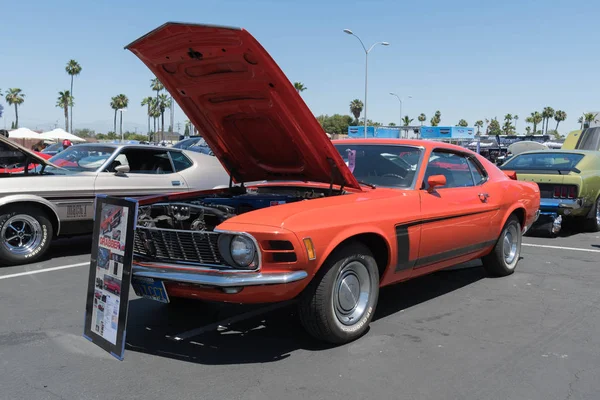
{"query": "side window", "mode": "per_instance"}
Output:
(453, 166)
(479, 175)
(146, 161)
(180, 161)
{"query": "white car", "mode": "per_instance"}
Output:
(55, 197)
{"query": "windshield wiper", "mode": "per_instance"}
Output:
(367, 184)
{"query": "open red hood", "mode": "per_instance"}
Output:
(242, 104)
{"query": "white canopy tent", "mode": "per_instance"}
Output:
(60, 134)
(24, 133)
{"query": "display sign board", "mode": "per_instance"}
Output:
(110, 273)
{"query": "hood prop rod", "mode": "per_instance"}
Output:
(334, 169)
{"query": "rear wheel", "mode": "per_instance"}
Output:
(339, 303)
(592, 223)
(503, 259)
(25, 234)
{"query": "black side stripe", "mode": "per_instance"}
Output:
(422, 262)
(403, 243)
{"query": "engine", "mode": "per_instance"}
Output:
(204, 214)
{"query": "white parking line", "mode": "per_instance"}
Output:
(39, 271)
(560, 247)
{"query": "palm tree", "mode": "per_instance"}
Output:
(73, 69)
(462, 122)
(422, 118)
(507, 126)
(588, 118)
(406, 120)
(391, 124)
(479, 125)
(155, 113)
(437, 118)
(356, 107)
(156, 86)
(123, 102)
(535, 119)
(559, 116)
(580, 122)
(147, 101)
(64, 101)
(516, 118)
(546, 115)
(16, 97)
(114, 104)
(299, 86)
(164, 102)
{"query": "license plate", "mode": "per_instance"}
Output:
(150, 288)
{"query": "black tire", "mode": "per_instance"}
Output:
(34, 220)
(592, 224)
(497, 263)
(322, 307)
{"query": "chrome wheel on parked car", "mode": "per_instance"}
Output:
(25, 234)
(351, 292)
(339, 303)
(510, 243)
(21, 234)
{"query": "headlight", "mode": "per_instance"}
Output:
(242, 250)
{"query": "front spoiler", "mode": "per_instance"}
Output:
(218, 280)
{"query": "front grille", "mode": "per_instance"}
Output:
(178, 246)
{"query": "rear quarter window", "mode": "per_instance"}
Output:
(180, 161)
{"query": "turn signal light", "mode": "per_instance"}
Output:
(310, 248)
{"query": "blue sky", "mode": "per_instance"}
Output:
(469, 59)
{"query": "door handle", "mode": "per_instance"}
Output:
(175, 183)
(483, 197)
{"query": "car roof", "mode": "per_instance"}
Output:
(128, 146)
(407, 142)
(581, 152)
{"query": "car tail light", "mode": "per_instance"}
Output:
(564, 191)
(572, 192)
(556, 191)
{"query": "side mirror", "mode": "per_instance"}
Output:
(121, 170)
(435, 180)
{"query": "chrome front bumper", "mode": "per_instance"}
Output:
(217, 279)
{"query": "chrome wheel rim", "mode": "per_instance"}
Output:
(510, 244)
(21, 234)
(351, 293)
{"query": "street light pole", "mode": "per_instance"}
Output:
(349, 32)
(400, 100)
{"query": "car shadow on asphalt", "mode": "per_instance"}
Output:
(273, 336)
(70, 246)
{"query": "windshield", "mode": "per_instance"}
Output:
(186, 143)
(382, 165)
(545, 161)
(81, 158)
(53, 148)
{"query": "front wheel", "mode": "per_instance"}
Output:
(339, 303)
(25, 235)
(503, 259)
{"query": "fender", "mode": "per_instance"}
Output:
(350, 232)
(509, 211)
(29, 198)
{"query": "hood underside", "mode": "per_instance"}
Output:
(241, 102)
(34, 157)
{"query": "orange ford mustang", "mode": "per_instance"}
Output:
(330, 222)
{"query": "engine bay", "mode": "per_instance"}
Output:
(206, 212)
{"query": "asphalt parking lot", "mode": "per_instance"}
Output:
(452, 335)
